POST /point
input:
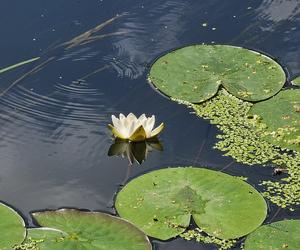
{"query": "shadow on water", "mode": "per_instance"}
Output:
(94, 61)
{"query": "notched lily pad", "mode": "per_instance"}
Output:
(162, 202)
(275, 236)
(12, 228)
(195, 73)
(281, 115)
(87, 230)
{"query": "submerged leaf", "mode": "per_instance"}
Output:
(162, 202)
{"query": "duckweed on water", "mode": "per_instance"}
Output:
(29, 245)
(241, 139)
(200, 236)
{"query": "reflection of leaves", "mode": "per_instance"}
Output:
(134, 151)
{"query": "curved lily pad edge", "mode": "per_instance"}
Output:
(29, 243)
(192, 230)
(220, 86)
(18, 215)
(259, 236)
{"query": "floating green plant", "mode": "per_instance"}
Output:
(74, 229)
(200, 236)
(18, 65)
(162, 202)
(195, 73)
(281, 117)
(296, 81)
(12, 228)
(278, 235)
(242, 139)
(29, 244)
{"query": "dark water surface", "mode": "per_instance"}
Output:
(54, 140)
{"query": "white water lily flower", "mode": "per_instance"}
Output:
(134, 129)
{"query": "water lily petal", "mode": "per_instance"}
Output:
(115, 121)
(121, 116)
(156, 131)
(142, 120)
(138, 135)
(133, 126)
(131, 117)
(123, 125)
(116, 133)
(149, 125)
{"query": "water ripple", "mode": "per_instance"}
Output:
(65, 110)
(149, 33)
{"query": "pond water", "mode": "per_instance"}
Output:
(54, 137)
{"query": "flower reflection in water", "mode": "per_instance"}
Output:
(135, 152)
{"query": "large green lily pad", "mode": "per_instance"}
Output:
(162, 202)
(276, 236)
(87, 230)
(281, 114)
(12, 228)
(194, 73)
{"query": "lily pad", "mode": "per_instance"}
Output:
(278, 235)
(88, 230)
(195, 73)
(162, 202)
(296, 81)
(281, 115)
(12, 228)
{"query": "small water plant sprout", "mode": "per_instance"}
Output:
(131, 128)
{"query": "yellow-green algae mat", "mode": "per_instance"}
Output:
(162, 202)
(12, 228)
(281, 115)
(280, 235)
(71, 229)
(196, 72)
